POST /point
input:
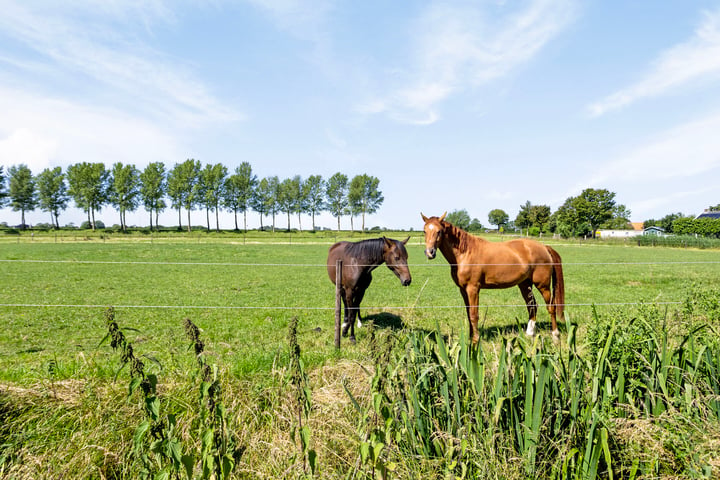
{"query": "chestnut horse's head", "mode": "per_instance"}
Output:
(395, 256)
(433, 233)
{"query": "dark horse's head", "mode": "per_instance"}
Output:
(395, 257)
(433, 233)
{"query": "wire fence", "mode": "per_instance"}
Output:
(240, 307)
(437, 264)
(322, 265)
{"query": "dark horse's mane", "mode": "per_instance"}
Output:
(370, 250)
(458, 237)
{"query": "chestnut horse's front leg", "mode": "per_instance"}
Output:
(527, 293)
(470, 294)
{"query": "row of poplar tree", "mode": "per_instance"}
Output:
(188, 186)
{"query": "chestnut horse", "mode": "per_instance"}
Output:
(359, 260)
(476, 263)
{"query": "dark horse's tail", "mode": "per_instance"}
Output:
(558, 292)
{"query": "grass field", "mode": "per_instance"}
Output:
(242, 292)
(242, 295)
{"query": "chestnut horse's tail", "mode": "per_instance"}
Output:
(558, 288)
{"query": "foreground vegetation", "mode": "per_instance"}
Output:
(258, 390)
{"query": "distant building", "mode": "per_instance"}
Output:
(618, 233)
(709, 214)
(630, 233)
(653, 230)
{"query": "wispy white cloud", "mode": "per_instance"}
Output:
(685, 151)
(667, 201)
(683, 64)
(672, 167)
(459, 47)
(98, 45)
(43, 131)
(303, 19)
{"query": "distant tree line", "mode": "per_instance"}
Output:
(583, 215)
(185, 187)
(703, 227)
(578, 216)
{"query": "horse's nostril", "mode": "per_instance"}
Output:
(406, 282)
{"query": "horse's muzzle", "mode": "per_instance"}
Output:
(430, 253)
(406, 282)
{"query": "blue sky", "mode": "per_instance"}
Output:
(451, 104)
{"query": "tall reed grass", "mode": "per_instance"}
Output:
(531, 409)
(637, 396)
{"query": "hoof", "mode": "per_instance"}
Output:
(556, 336)
(352, 339)
(530, 331)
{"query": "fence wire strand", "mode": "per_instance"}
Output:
(427, 264)
(300, 307)
(316, 265)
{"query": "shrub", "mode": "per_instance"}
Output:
(87, 226)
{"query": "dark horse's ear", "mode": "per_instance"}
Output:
(404, 242)
(388, 242)
(425, 219)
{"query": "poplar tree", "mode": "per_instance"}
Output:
(183, 187)
(211, 184)
(88, 184)
(337, 196)
(364, 196)
(153, 185)
(261, 199)
(3, 193)
(52, 193)
(22, 191)
(273, 198)
(286, 198)
(239, 189)
(314, 192)
(124, 190)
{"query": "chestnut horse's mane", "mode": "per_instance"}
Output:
(457, 237)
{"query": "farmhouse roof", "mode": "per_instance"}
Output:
(637, 225)
(709, 214)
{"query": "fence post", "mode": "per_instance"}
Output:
(338, 302)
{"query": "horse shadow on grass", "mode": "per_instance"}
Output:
(395, 323)
(517, 328)
(382, 320)
(385, 320)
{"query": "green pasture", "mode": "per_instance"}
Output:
(65, 409)
(242, 296)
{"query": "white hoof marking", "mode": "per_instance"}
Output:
(530, 328)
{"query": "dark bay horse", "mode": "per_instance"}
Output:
(359, 260)
(476, 263)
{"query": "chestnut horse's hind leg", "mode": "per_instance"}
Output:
(527, 294)
(470, 295)
(547, 296)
